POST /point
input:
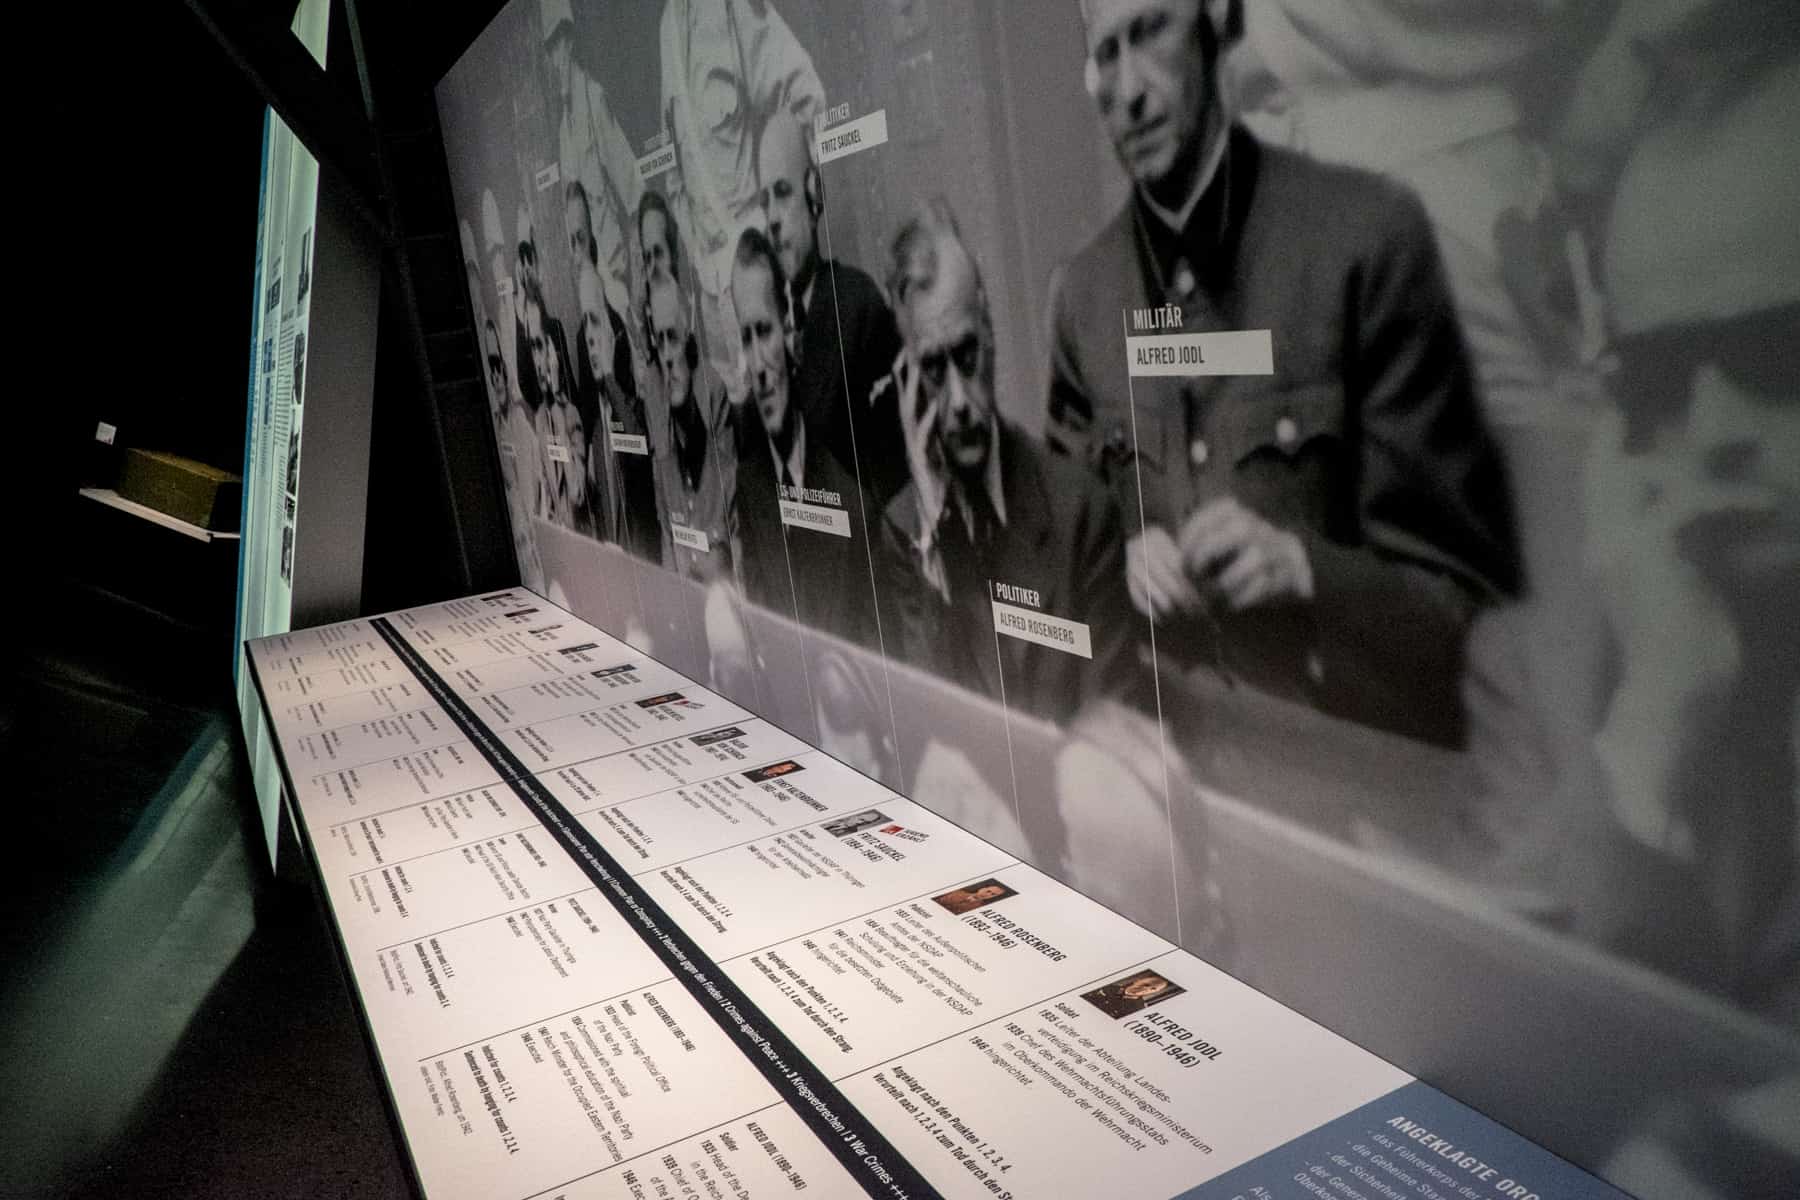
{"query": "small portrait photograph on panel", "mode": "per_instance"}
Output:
(971, 896)
(776, 770)
(855, 823)
(1134, 993)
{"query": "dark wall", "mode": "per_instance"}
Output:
(435, 507)
(138, 236)
(157, 230)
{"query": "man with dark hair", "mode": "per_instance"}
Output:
(505, 311)
(1325, 530)
(1001, 565)
(499, 392)
(659, 246)
(845, 334)
(578, 220)
(694, 451)
(527, 277)
(658, 238)
(561, 434)
(726, 66)
(799, 510)
(578, 225)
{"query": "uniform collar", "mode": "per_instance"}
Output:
(1210, 168)
(1187, 247)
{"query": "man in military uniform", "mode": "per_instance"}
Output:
(1328, 530)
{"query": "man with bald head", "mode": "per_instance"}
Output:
(695, 451)
(1326, 530)
(801, 531)
(1001, 565)
(845, 334)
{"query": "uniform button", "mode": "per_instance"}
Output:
(1286, 431)
(1184, 280)
(1198, 453)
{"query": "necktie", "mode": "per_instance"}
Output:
(965, 536)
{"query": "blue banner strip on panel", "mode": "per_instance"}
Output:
(1415, 1143)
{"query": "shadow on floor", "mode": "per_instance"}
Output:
(172, 1016)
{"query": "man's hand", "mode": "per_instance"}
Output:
(578, 467)
(1155, 577)
(924, 464)
(1240, 561)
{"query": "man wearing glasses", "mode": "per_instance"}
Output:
(1001, 564)
(1327, 531)
(1694, 524)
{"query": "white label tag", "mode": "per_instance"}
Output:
(104, 433)
(558, 452)
(548, 177)
(693, 539)
(506, 448)
(1230, 352)
(630, 443)
(864, 133)
(816, 517)
(655, 163)
(1071, 637)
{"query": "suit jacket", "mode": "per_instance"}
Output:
(819, 578)
(1062, 540)
(705, 504)
(624, 499)
(848, 343)
(1367, 440)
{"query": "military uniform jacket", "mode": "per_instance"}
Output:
(1366, 441)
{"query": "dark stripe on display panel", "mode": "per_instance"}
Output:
(850, 1137)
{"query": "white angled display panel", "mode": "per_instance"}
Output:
(616, 936)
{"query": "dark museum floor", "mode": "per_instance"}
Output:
(173, 1021)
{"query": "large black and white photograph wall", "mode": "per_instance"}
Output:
(1319, 476)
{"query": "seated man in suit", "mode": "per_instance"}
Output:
(561, 434)
(694, 453)
(622, 481)
(1328, 528)
(1002, 566)
(799, 511)
(845, 334)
